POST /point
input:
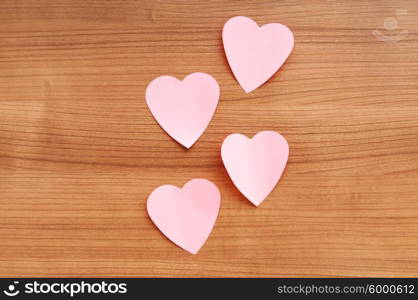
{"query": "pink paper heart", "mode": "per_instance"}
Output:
(255, 165)
(255, 53)
(183, 108)
(185, 216)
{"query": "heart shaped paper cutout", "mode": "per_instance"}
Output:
(183, 108)
(255, 165)
(255, 53)
(185, 216)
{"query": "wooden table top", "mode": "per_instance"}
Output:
(80, 151)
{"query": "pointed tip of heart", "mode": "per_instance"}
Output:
(247, 86)
(256, 204)
(187, 145)
(256, 201)
(192, 251)
(247, 90)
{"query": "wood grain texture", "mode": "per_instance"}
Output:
(80, 151)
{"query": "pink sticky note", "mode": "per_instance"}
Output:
(183, 108)
(186, 216)
(255, 53)
(255, 165)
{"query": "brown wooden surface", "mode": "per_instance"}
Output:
(80, 151)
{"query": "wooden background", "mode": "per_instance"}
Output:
(80, 151)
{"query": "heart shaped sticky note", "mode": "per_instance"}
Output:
(186, 216)
(255, 165)
(183, 108)
(255, 53)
